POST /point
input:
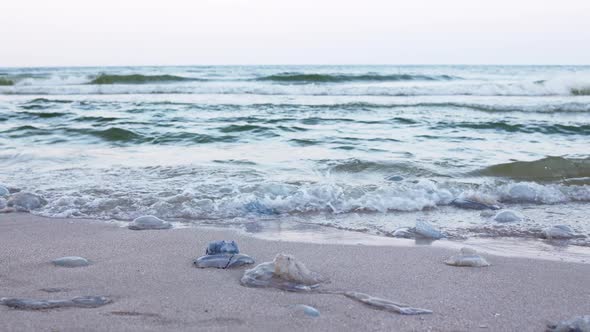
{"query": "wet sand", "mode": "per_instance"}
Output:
(154, 286)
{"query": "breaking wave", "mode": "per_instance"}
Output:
(581, 91)
(336, 78)
(212, 201)
(137, 79)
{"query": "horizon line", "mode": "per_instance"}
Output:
(301, 65)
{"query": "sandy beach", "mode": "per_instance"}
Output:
(154, 286)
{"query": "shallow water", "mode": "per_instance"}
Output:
(362, 148)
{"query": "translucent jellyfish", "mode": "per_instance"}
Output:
(284, 272)
(387, 305)
(71, 261)
(26, 201)
(223, 255)
(258, 208)
(507, 216)
(77, 302)
(222, 247)
(576, 324)
(287, 273)
(467, 257)
(306, 310)
(523, 192)
(426, 230)
(403, 232)
(149, 222)
(558, 232)
(475, 201)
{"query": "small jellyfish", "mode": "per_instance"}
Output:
(306, 310)
(560, 232)
(426, 230)
(26, 202)
(284, 272)
(222, 247)
(287, 273)
(149, 222)
(507, 216)
(71, 261)
(467, 257)
(403, 232)
(223, 255)
(384, 304)
(523, 192)
(258, 208)
(576, 324)
(475, 203)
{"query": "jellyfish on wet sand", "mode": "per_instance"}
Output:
(287, 273)
(576, 324)
(223, 255)
(467, 257)
(149, 222)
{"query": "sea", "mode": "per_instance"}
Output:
(365, 149)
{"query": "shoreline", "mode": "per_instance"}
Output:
(150, 277)
(295, 231)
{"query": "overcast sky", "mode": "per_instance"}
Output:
(177, 32)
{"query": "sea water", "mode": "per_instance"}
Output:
(364, 148)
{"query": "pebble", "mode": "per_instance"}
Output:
(149, 222)
(71, 261)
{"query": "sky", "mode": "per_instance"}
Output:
(217, 32)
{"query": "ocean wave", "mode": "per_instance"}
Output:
(543, 128)
(5, 82)
(167, 86)
(214, 200)
(115, 135)
(336, 78)
(137, 79)
(44, 115)
(546, 169)
(47, 101)
(406, 169)
(585, 91)
(484, 104)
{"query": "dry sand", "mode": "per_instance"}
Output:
(154, 286)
